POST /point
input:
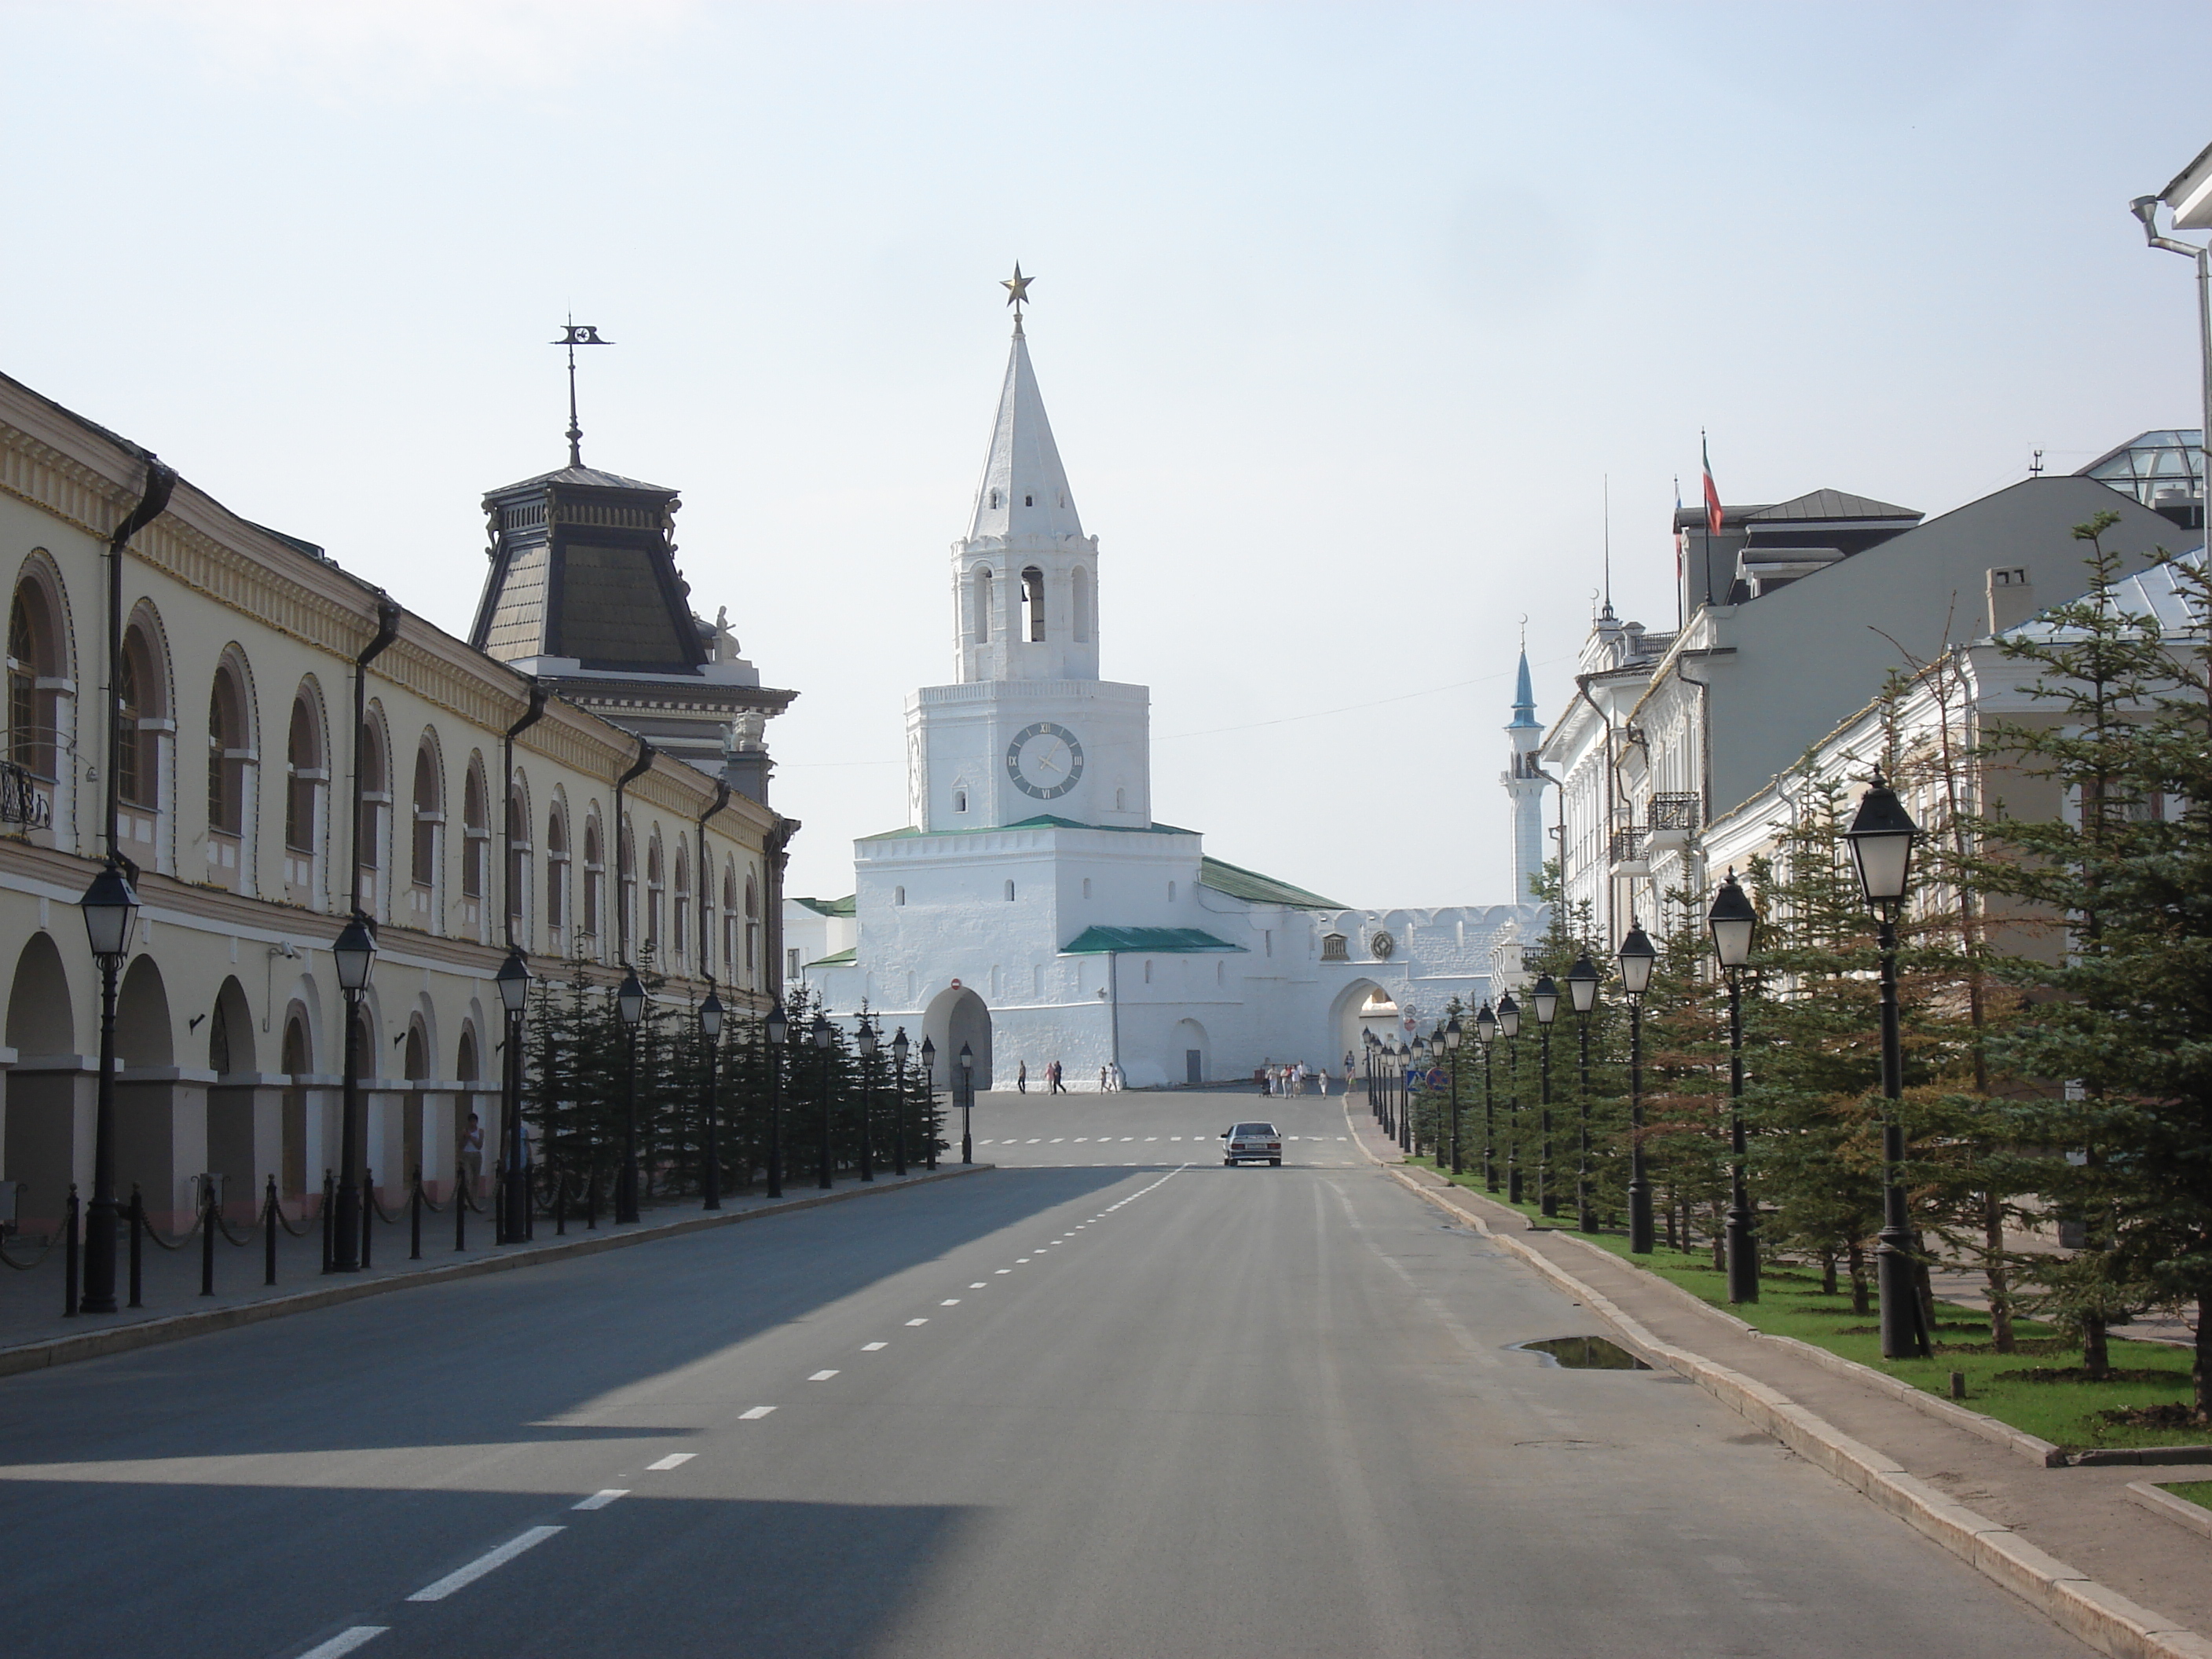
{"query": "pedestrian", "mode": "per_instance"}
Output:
(1022, 1078)
(1298, 1079)
(1053, 1077)
(1260, 1079)
(1102, 1079)
(1320, 1073)
(472, 1153)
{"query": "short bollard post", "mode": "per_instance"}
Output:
(367, 1213)
(560, 1207)
(415, 1218)
(269, 1233)
(529, 1202)
(137, 1240)
(206, 1237)
(499, 1233)
(461, 1210)
(329, 1220)
(69, 1255)
(591, 1201)
(1958, 1385)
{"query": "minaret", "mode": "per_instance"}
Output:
(1525, 783)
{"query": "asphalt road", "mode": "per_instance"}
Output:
(1113, 1399)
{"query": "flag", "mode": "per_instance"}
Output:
(1712, 490)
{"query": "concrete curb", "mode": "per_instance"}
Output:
(2194, 1516)
(122, 1339)
(2101, 1617)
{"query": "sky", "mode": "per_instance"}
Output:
(1351, 319)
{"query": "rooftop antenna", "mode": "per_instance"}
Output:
(1606, 485)
(2035, 466)
(573, 335)
(1017, 293)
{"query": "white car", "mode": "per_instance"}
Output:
(1248, 1143)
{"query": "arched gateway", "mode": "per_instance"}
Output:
(956, 1016)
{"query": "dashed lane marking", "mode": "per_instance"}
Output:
(821, 1376)
(345, 1642)
(870, 1347)
(756, 1412)
(979, 1284)
(674, 1459)
(599, 1500)
(490, 1560)
(949, 1301)
(917, 1321)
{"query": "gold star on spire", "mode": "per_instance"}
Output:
(1017, 288)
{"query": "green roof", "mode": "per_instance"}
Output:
(1042, 821)
(1161, 941)
(843, 907)
(844, 958)
(1254, 888)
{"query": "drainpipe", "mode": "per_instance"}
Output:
(706, 878)
(387, 630)
(160, 481)
(1114, 1006)
(531, 716)
(638, 769)
(777, 846)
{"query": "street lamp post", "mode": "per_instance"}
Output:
(710, 1032)
(1452, 1036)
(1546, 995)
(1508, 1023)
(777, 1028)
(514, 982)
(629, 1003)
(821, 1032)
(966, 1104)
(111, 909)
(1881, 835)
(1419, 1068)
(1636, 958)
(1486, 1033)
(867, 1045)
(929, 1094)
(1581, 985)
(1405, 1097)
(354, 954)
(898, 1114)
(1733, 923)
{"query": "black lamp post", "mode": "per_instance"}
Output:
(1734, 923)
(1881, 846)
(710, 1033)
(1636, 958)
(1404, 1062)
(1452, 1036)
(967, 1102)
(1486, 1033)
(1418, 1068)
(1581, 985)
(898, 1115)
(629, 1004)
(354, 951)
(513, 981)
(866, 1043)
(777, 1028)
(1367, 1046)
(1508, 1026)
(111, 911)
(929, 1094)
(1546, 995)
(821, 1032)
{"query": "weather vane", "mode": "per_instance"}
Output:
(1017, 293)
(573, 335)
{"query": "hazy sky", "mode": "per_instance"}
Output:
(1342, 315)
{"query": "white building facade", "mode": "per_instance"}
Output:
(1033, 910)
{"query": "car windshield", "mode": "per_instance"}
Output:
(1252, 1131)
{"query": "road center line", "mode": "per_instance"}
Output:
(917, 1321)
(755, 1413)
(462, 1578)
(821, 1376)
(599, 1500)
(870, 1347)
(949, 1301)
(672, 1461)
(345, 1642)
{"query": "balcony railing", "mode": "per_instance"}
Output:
(1628, 845)
(1674, 811)
(22, 800)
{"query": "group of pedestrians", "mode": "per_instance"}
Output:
(1052, 1079)
(1291, 1079)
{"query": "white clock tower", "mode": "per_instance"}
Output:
(1029, 730)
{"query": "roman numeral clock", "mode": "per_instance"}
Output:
(1044, 761)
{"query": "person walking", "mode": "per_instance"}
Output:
(472, 1146)
(1022, 1078)
(1052, 1077)
(1260, 1079)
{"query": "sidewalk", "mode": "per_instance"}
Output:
(35, 1333)
(2083, 1516)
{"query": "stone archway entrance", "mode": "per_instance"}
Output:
(958, 1016)
(1362, 1006)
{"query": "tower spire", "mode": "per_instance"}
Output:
(1024, 488)
(574, 334)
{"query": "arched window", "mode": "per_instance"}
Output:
(1082, 606)
(33, 664)
(429, 823)
(752, 922)
(981, 627)
(305, 776)
(595, 868)
(653, 889)
(475, 838)
(556, 869)
(625, 889)
(730, 920)
(518, 857)
(681, 911)
(1033, 605)
(138, 739)
(229, 755)
(375, 803)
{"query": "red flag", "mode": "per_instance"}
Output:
(1712, 490)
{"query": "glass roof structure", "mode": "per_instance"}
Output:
(2151, 462)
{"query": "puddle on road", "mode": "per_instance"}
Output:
(1584, 1353)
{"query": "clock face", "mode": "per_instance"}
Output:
(1044, 760)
